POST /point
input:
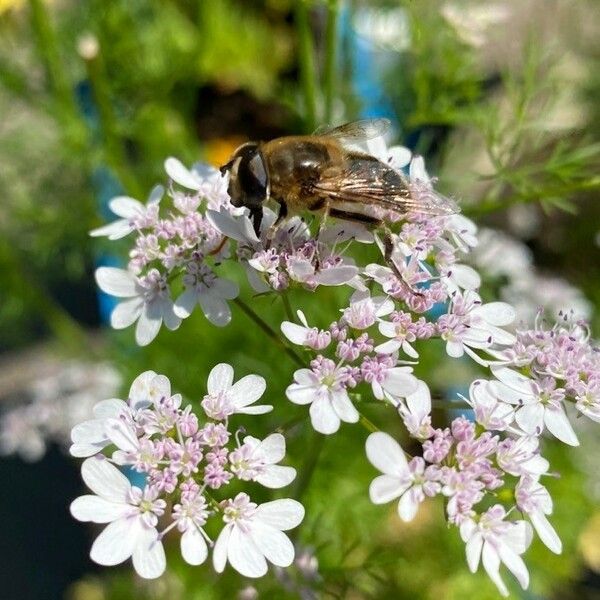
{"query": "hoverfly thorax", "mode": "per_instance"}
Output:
(248, 179)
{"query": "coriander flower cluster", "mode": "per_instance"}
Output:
(184, 462)
(487, 464)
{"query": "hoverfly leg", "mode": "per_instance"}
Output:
(319, 232)
(257, 217)
(388, 246)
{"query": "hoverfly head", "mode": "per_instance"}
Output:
(248, 180)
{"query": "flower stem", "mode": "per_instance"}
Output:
(310, 463)
(287, 305)
(368, 425)
(268, 330)
(331, 43)
(306, 57)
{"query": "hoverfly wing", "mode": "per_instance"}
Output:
(356, 131)
(366, 181)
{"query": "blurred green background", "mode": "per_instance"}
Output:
(500, 97)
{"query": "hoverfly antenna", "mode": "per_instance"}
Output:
(225, 167)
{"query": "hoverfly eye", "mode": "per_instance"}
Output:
(257, 168)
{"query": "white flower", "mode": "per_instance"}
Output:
(494, 540)
(89, 437)
(303, 335)
(225, 398)
(539, 404)
(147, 301)
(254, 534)
(134, 215)
(535, 501)
(203, 287)
(490, 412)
(324, 389)
(364, 310)
(409, 481)
(471, 324)
(131, 515)
(416, 412)
(256, 460)
(201, 178)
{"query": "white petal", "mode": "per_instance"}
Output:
(454, 349)
(98, 510)
(530, 418)
(126, 207)
(193, 546)
(385, 488)
(559, 426)
(85, 450)
(322, 416)
(388, 347)
(105, 480)
(247, 390)
(226, 289)
(112, 407)
(295, 333)
(491, 563)
(90, 432)
(336, 275)
(185, 303)
(400, 383)
(514, 380)
(215, 309)
(519, 536)
(244, 555)
(142, 388)
(514, 563)
(121, 435)
(114, 231)
(466, 277)
(385, 454)
(408, 506)
(259, 409)
(126, 313)
(276, 476)
(170, 319)
(473, 551)
(344, 407)
(496, 313)
(274, 544)
(116, 543)
(181, 175)
(149, 323)
(300, 394)
(400, 156)
(546, 532)
(233, 228)
(220, 379)
(282, 514)
(116, 282)
(273, 448)
(419, 402)
(156, 194)
(220, 549)
(149, 559)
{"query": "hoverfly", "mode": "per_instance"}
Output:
(325, 173)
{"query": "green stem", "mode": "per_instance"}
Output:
(331, 43)
(368, 425)
(269, 331)
(315, 448)
(306, 57)
(287, 305)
